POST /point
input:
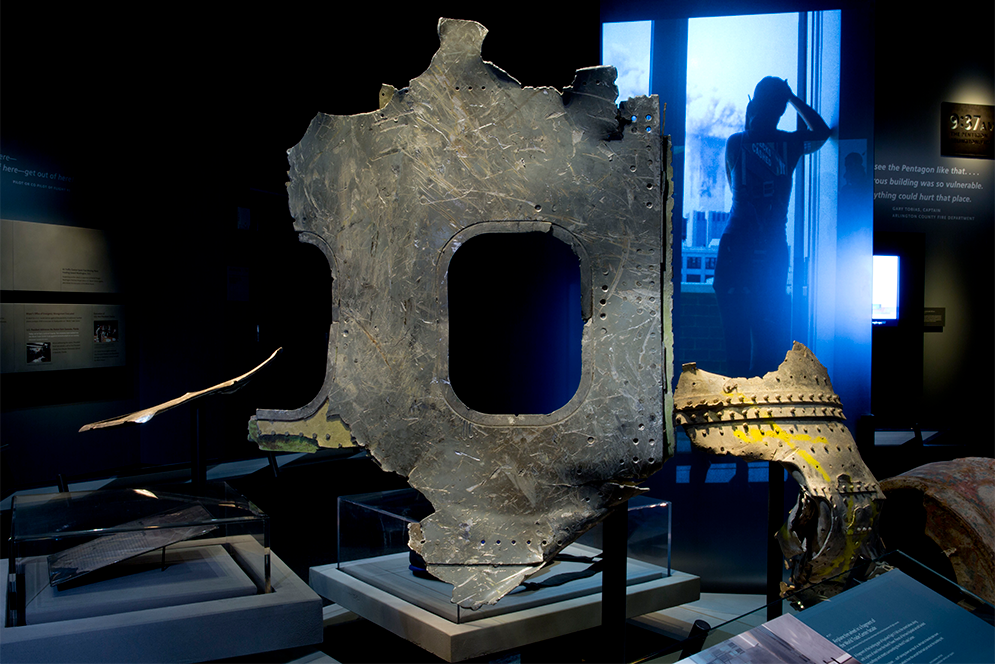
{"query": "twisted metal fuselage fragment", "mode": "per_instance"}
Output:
(792, 416)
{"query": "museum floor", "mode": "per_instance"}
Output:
(349, 638)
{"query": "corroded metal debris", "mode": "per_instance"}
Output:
(958, 501)
(794, 417)
(389, 196)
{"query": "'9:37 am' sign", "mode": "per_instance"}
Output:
(966, 130)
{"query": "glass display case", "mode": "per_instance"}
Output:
(649, 532)
(91, 553)
(373, 547)
(376, 524)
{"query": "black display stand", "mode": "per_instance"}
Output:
(775, 518)
(615, 552)
(198, 465)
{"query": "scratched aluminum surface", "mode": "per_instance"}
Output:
(792, 416)
(389, 196)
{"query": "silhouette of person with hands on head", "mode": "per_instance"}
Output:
(751, 272)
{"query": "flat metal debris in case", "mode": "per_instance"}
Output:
(389, 197)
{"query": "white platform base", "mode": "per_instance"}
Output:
(188, 575)
(455, 642)
(288, 617)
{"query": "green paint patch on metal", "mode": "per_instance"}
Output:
(280, 443)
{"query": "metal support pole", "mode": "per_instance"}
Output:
(198, 470)
(615, 551)
(775, 518)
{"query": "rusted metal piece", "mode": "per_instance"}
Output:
(794, 417)
(390, 196)
(959, 501)
(143, 416)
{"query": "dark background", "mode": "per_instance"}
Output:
(172, 117)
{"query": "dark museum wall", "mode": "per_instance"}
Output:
(174, 129)
(176, 135)
(957, 238)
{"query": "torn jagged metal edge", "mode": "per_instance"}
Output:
(389, 196)
(794, 417)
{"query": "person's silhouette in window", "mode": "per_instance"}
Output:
(857, 190)
(751, 272)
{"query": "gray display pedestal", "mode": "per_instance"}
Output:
(190, 629)
(561, 611)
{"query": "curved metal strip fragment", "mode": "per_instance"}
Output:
(794, 417)
(464, 150)
(146, 414)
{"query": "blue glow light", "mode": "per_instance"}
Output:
(628, 46)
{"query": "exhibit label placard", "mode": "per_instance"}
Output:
(54, 258)
(48, 337)
(893, 618)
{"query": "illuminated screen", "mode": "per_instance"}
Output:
(885, 290)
